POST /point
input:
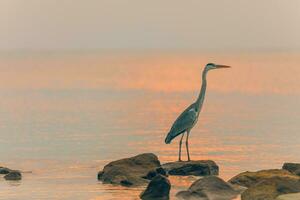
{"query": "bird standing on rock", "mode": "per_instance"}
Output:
(189, 117)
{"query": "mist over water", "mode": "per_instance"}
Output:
(65, 115)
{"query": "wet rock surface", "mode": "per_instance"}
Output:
(129, 171)
(196, 168)
(271, 188)
(157, 189)
(248, 179)
(155, 172)
(13, 176)
(292, 167)
(209, 188)
(4, 170)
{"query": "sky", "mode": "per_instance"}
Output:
(222, 25)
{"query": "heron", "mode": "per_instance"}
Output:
(189, 117)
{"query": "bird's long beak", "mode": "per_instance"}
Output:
(222, 66)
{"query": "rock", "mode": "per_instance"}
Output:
(129, 171)
(292, 167)
(271, 188)
(248, 179)
(157, 189)
(196, 168)
(294, 196)
(13, 176)
(209, 188)
(4, 170)
(155, 172)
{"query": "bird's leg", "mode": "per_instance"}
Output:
(187, 145)
(180, 142)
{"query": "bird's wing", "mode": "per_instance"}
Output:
(185, 121)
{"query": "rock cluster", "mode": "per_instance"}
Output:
(272, 184)
(12, 175)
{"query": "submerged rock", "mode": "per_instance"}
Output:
(292, 167)
(129, 171)
(271, 188)
(157, 189)
(13, 176)
(209, 188)
(196, 168)
(248, 179)
(4, 170)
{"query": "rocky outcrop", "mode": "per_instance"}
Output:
(157, 189)
(130, 171)
(196, 168)
(271, 188)
(248, 179)
(13, 175)
(209, 188)
(292, 167)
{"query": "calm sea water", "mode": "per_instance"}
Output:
(63, 116)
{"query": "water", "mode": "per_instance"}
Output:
(65, 115)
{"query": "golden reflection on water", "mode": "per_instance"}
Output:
(161, 71)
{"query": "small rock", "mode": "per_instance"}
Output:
(271, 188)
(129, 171)
(4, 170)
(13, 176)
(292, 167)
(157, 189)
(209, 188)
(161, 171)
(196, 168)
(248, 179)
(155, 172)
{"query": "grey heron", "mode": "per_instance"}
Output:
(189, 117)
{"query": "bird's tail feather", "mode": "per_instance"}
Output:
(168, 139)
(171, 135)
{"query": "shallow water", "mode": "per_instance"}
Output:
(64, 116)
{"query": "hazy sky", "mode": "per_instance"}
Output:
(134, 24)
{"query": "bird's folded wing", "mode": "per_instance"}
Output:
(184, 122)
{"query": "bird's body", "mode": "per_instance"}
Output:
(189, 117)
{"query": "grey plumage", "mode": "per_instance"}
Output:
(189, 117)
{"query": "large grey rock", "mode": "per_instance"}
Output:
(292, 167)
(13, 176)
(129, 171)
(271, 188)
(196, 168)
(293, 196)
(209, 188)
(248, 179)
(4, 170)
(158, 189)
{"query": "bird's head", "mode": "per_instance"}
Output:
(210, 66)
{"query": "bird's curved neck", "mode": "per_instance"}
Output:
(201, 96)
